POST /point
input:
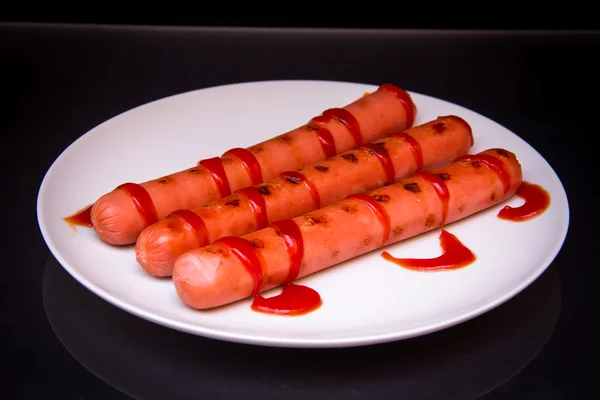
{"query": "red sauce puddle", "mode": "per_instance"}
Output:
(537, 200)
(81, 218)
(455, 255)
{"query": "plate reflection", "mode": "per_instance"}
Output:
(149, 361)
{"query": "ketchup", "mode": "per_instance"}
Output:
(195, 223)
(414, 146)
(294, 299)
(492, 163)
(379, 212)
(81, 218)
(249, 163)
(455, 255)
(537, 200)
(403, 96)
(441, 190)
(344, 117)
(257, 203)
(297, 177)
(384, 159)
(214, 166)
(327, 142)
(141, 201)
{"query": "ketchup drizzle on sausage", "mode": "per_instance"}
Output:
(345, 118)
(298, 177)
(293, 299)
(379, 212)
(141, 201)
(244, 251)
(454, 255)
(537, 200)
(441, 190)
(195, 223)
(214, 166)
(384, 159)
(414, 146)
(257, 203)
(327, 142)
(81, 218)
(292, 237)
(249, 163)
(407, 103)
(492, 163)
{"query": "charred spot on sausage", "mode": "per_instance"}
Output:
(430, 220)
(502, 153)
(257, 243)
(350, 157)
(439, 128)
(285, 138)
(321, 168)
(382, 198)
(163, 180)
(493, 196)
(412, 187)
(233, 203)
(461, 208)
(315, 220)
(349, 209)
(264, 190)
(398, 231)
(367, 240)
(194, 171)
(335, 253)
(444, 176)
(256, 149)
(476, 164)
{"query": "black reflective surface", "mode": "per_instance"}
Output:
(59, 341)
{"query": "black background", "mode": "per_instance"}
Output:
(59, 81)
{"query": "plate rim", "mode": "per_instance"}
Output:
(264, 340)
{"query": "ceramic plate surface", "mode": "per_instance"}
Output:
(365, 300)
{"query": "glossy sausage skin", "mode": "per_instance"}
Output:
(117, 221)
(355, 171)
(212, 276)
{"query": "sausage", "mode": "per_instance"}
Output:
(233, 268)
(359, 170)
(119, 216)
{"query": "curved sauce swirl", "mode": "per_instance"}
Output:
(249, 163)
(454, 255)
(195, 223)
(441, 190)
(257, 203)
(492, 163)
(537, 200)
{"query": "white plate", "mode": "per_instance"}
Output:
(365, 300)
